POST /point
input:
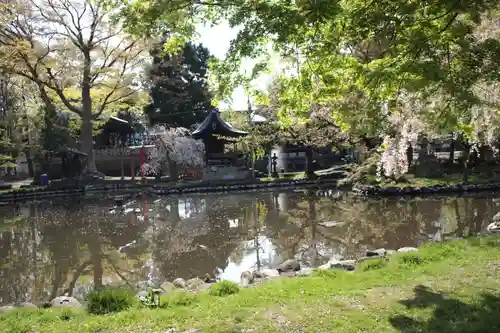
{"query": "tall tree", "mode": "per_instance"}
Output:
(76, 56)
(179, 86)
(18, 116)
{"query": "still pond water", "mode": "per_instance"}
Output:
(47, 248)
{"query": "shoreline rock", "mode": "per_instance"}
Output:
(375, 190)
(65, 302)
(160, 188)
(289, 268)
(290, 265)
(179, 283)
(493, 227)
(407, 249)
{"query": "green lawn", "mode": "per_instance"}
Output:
(285, 176)
(446, 287)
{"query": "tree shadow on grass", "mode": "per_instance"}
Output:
(450, 315)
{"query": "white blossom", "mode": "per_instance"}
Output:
(177, 145)
(406, 121)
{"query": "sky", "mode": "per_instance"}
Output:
(217, 40)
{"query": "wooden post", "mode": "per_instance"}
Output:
(142, 159)
(122, 163)
(132, 168)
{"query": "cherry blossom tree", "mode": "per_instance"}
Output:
(406, 124)
(177, 149)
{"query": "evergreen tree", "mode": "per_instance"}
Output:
(179, 86)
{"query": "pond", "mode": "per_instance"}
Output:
(48, 248)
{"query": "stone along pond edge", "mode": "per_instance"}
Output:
(387, 191)
(193, 305)
(28, 193)
(164, 189)
(290, 268)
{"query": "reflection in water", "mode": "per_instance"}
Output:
(49, 248)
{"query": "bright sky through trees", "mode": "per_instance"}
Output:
(217, 40)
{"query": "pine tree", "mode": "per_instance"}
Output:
(179, 86)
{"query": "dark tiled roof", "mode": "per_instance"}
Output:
(213, 124)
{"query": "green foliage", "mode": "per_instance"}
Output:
(153, 299)
(353, 55)
(326, 273)
(5, 161)
(365, 172)
(109, 299)
(224, 288)
(178, 298)
(412, 258)
(66, 314)
(372, 264)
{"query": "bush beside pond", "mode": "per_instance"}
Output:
(379, 296)
(110, 299)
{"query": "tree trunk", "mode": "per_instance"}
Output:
(86, 134)
(86, 143)
(172, 169)
(309, 164)
(311, 212)
(465, 164)
(451, 158)
(29, 161)
(76, 275)
(424, 149)
(96, 259)
(409, 155)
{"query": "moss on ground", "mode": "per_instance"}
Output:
(445, 287)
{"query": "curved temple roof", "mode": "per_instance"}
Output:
(213, 124)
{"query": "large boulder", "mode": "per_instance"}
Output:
(196, 285)
(266, 273)
(6, 308)
(27, 305)
(324, 266)
(179, 283)
(408, 249)
(142, 295)
(331, 224)
(376, 253)
(304, 272)
(290, 265)
(493, 227)
(348, 265)
(246, 278)
(496, 218)
(167, 287)
(209, 279)
(65, 302)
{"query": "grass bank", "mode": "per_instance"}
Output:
(445, 287)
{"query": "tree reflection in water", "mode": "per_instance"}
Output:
(47, 249)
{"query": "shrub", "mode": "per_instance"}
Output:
(409, 258)
(372, 264)
(66, 314)
(224, 288)
(326, 273)
(153, 299)
(109, 299)
(178, 298)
